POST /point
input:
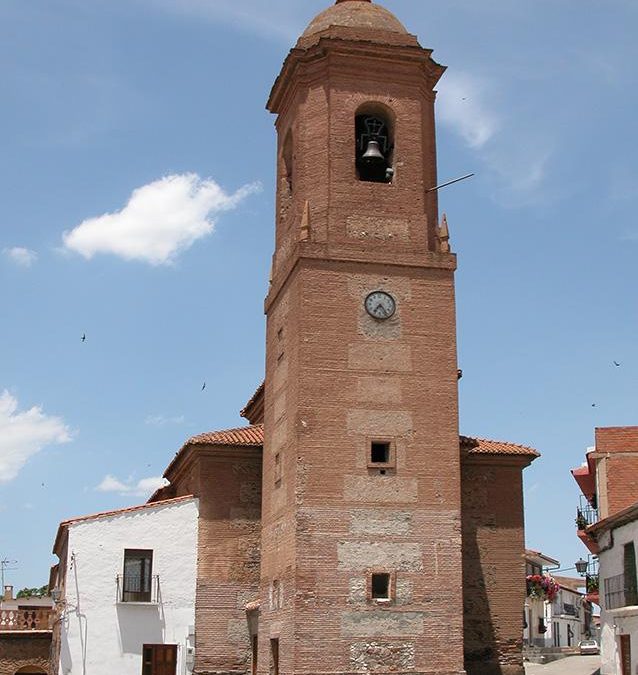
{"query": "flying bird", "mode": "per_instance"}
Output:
(593, 405)
(616, 364)
(203, 386)
(83, 337)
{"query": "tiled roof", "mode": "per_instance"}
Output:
(254, 436)
(251, 435)
(484, 446)
(256, 401)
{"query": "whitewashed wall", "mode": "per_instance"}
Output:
(620, 621)
(102, 637)
(556, 615)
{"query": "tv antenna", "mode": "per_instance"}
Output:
(6, 564)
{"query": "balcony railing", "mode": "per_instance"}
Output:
(586, 516)
(26, 619)
(135, 588)
(620, 591)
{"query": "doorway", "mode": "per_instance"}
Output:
(625, 654)
(159, 660)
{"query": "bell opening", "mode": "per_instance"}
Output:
(373, 149)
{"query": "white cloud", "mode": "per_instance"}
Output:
(159, 221)
(514, 155)
(162, 421)
(143, 487)
(24, 434)
(21, 256)
(462, 107)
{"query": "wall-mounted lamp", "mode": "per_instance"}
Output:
(581, 567)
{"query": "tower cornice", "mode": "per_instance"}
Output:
(306, 253)
(340, 42)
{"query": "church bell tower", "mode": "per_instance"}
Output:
(361, 533)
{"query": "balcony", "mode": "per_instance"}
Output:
(138, 590)
(591, 581)
(620, 591)
(26, 620)
(587, 515)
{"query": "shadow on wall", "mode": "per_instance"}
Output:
(66, 660)
(31, 670)
(481, 651)
(139, 626)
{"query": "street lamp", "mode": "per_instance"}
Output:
(581, 567)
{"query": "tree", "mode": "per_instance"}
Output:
(33, 592)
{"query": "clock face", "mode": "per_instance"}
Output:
(380, 305)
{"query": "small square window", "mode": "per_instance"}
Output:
(379, 452)
(380, 586)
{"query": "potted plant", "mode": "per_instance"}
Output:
(542, 587)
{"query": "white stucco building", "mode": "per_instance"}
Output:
(562, 621)
(565, 618)
(617, 538)
(125, 590)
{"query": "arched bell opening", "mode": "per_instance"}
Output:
(286, 175)
(374, 143)
(30, 670)
(287, 160)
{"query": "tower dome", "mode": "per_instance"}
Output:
(362, 15)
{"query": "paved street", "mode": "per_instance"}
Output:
(572, 665)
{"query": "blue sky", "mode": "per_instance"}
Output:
(153, 111)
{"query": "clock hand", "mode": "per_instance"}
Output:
(382, 308)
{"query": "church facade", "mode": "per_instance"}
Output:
(348, 528)
(377, 538)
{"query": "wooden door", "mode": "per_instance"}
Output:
(159, 660)
(625, 654)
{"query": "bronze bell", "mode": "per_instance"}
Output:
(373, 154)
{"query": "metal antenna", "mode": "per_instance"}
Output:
(450, 182)
(5, 565)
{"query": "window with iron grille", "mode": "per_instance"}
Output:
(137, 578)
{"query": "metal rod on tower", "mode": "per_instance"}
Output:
(450, 182)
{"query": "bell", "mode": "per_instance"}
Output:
(373, 154)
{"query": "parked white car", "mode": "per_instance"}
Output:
(588, 647)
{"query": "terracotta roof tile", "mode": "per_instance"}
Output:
(259, 394)
(250, 435)
(484, 446)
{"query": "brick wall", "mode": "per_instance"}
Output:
(20, 650)
(622, 482)
(616, 457)
(493, 565)
(617, 439)
(228, 557)
(336, 379)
